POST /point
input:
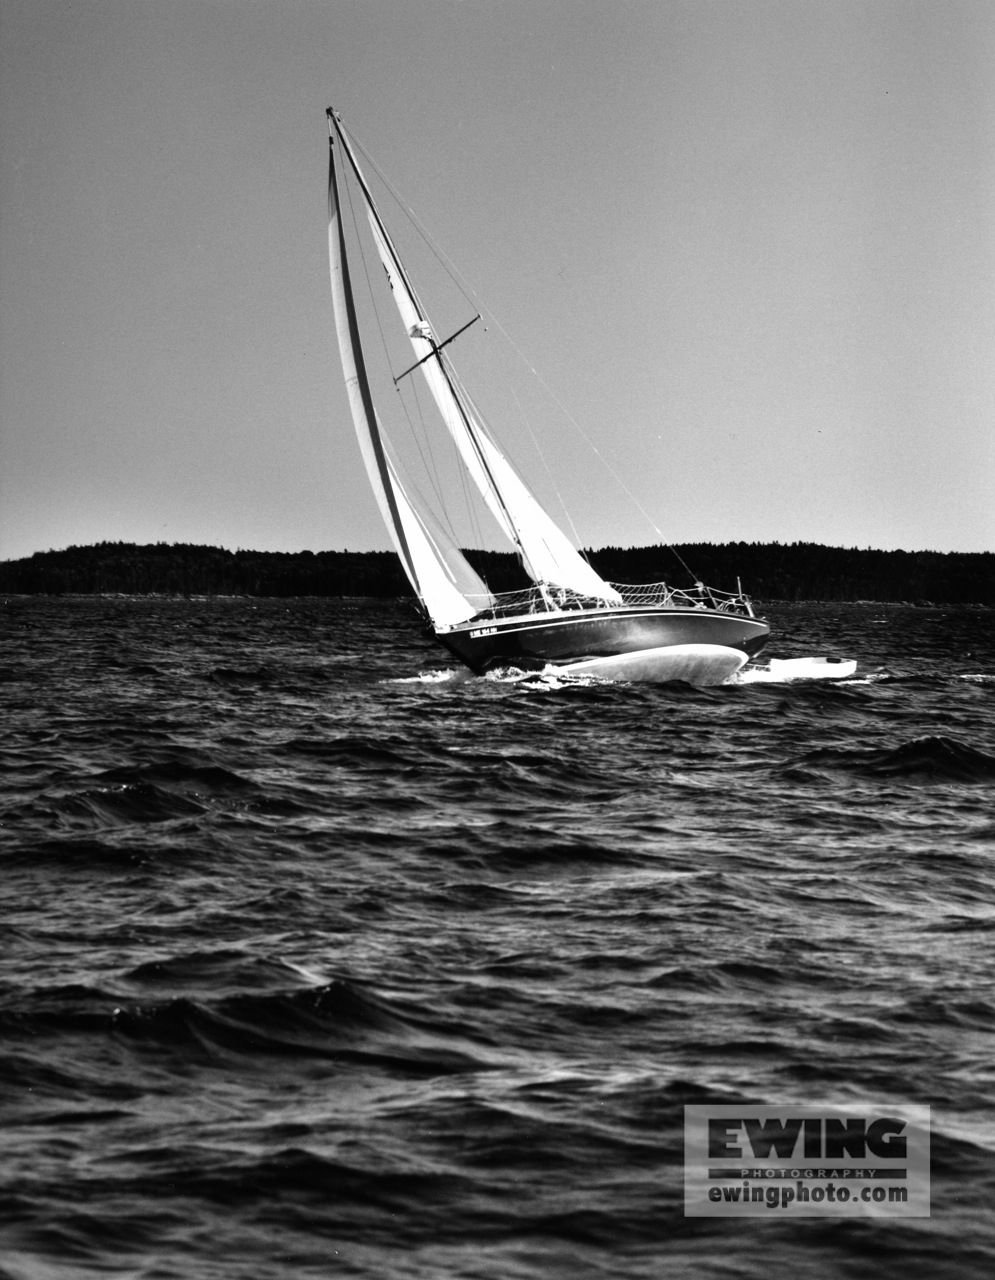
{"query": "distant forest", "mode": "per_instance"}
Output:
(768, 571)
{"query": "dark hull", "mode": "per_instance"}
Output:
(538, 639)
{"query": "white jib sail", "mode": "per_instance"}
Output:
(549, 555)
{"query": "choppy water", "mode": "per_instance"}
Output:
(318, 963)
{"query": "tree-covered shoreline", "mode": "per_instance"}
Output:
(768, 571)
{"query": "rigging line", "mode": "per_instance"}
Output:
(472, 518)
(410, 486)
(471, 296)
(420, 433)
(587, 439)
(438, 252)
(552, 478)
(411, 217)
(503, 449)
(470, 510)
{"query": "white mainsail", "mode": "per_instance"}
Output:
(547, 554)
(445, 577)
(440, 575)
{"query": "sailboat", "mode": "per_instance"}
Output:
(569, 618)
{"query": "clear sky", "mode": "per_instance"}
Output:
(750, 245)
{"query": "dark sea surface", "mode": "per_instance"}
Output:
(320, 961)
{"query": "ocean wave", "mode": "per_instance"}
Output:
(121, 805)
(931, 756)
(337, 1020)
